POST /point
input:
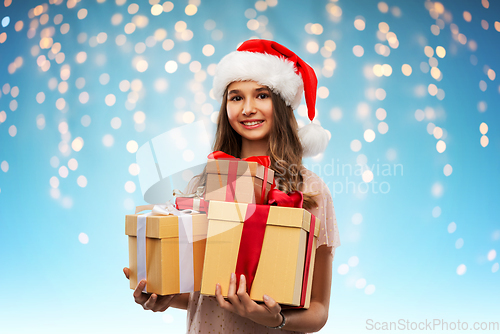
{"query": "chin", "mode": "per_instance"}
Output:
(258, 138)
(254, 137)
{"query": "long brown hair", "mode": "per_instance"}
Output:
(285, 148)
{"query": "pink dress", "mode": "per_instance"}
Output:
(203, 312)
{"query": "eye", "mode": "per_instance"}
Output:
(235, 98)
(263, 96)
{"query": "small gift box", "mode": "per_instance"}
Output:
(191, 201)
(233, 180)
(167, 250)
(273, 246)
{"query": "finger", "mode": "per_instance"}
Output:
(150, 303)
(272, 306)
(139, 296)
(138, 289)
(242, 288)
(220, 299)
(231, 291)
(232, 285)
(126, 271)
(243, 295)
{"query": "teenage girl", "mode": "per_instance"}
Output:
(259, 86)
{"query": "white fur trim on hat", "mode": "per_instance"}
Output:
(274, 72)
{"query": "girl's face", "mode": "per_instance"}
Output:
(250, 110)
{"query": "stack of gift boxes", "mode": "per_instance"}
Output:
(242, 225)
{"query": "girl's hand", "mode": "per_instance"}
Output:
(267, 314)
(149, 301)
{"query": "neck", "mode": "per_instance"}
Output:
(251, 148)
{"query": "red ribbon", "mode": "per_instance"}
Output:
(294, 199)
(231, 180)
(264, 160)
(310, 239)
(252, 238)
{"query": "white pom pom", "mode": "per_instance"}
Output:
(314, 139)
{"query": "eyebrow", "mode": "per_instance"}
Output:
(261, 89)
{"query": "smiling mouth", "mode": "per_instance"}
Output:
(251, 123)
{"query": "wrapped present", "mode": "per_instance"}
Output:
(234, 180)
(191, 201)
(167, 248)
(273, 246)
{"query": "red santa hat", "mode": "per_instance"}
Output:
(273, 65)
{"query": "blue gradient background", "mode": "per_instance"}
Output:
(52, 283)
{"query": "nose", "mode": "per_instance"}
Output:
(249, 107)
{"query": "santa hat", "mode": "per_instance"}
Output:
(273, 65)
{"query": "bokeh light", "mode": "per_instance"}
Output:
(81, 181)
(361, 283)
(359, 23)
(461, 269)
(355, 145)
(132, 146)
(72, 164)
(77, 144)
(130, 187)
(492, 254)
(452, 227)
(358, 50)
(4, 166)
(369, 135)
(343, 269)
(108, 140)
(83, 238)
(367, 176)
(447, 170)
(370, 289)
(170, 66)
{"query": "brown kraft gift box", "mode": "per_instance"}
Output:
(280, 268)
(162, 251)
(247, 187)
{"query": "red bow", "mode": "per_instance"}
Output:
(264, 160)
(294, 199)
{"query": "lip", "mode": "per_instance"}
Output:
(252, 126)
